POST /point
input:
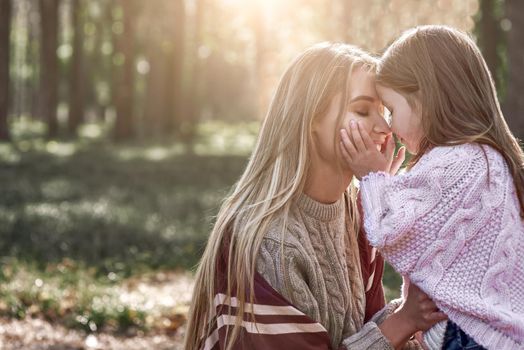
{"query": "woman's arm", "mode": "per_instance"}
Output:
(392, 333)
(417, 313)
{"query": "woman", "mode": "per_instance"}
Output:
(281, 268)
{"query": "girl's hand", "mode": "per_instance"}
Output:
(361, 155)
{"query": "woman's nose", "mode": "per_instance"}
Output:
(381, 126)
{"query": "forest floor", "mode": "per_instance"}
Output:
(168, 292)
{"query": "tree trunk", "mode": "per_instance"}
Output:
(96, 66)
(32, 58)
(489, 36)
(49, 64)
(110, 71)
(192, 115)
(5, 26)
(514, 104)
(77, 76)
(126, 82)
(176, 64)
(260, 34)
(157, 97)
(164, 100)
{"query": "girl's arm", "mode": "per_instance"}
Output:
(417, 217)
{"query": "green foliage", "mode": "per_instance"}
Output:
(392, 283)
(68, 293)
(116, 208)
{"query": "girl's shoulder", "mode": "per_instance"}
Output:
(464, 153)
(466, 150)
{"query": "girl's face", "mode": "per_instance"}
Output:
(364, 106)
(405, 121)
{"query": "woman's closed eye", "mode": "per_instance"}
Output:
(361, 108)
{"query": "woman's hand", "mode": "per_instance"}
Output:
(420, 310)
(417, 313)
(361, 155)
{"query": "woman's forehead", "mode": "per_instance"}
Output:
(363, 84)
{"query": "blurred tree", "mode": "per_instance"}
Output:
(49, 65)
(175, 83)
(164, 102)
(97, 96)
(489, 36)
(261, 53)
(208, 59)
(5, 29)
(126, 80)
(106, 53)
(192, 113)
(514, 103)
(32, 56)
(77, 81)
(155, 109)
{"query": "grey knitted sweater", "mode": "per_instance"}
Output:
(316, 275)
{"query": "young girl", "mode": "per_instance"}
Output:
(454, 222)
(281, 269)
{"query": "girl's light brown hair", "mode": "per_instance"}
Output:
(274, 177)
(441, 72)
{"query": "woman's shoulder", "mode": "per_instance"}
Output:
(288, 232)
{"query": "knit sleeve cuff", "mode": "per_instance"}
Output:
(386, 311)
(372, 192)
(369, 337)
(413, 345)
(434, 337)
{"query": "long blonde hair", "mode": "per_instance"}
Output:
(441, 71)
(274, 177)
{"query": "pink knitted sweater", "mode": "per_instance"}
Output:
(452, 225)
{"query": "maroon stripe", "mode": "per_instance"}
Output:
(224, 310)
(264, 293)
(289, 341)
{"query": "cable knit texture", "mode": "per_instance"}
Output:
(314, 274)
(452, 225)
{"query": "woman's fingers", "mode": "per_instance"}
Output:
(437, 316)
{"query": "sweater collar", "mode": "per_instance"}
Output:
(320, 211)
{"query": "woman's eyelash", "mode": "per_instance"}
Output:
(364, 114)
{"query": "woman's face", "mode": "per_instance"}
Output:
(364, 106)
(405, 121)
